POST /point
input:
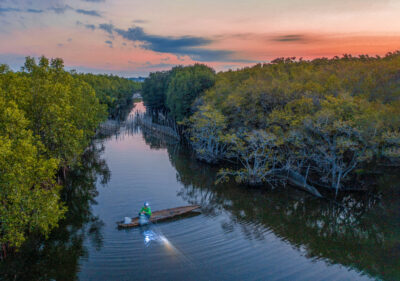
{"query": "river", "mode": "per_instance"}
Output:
(239, 233)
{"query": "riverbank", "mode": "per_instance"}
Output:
(305, 238)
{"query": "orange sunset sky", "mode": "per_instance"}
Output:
(132, 38)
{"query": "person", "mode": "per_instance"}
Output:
(145, 210)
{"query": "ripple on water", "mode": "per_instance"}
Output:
(205, 247)
(198, 245)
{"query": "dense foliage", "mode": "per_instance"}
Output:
(113, 91)
(317, 121)
(154, 90)
(29, 196)
(47, 119)
(176, 90)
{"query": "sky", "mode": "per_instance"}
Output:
(132, 38)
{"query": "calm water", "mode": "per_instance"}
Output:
(240, 234)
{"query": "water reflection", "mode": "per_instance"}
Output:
(360, 231)
(152, 234)
(148, 235)
(58, 257)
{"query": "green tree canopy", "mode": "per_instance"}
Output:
(185, 85)
(155, 89)
(28, 194)
(330, 118)
(48, 117)
(176, 90)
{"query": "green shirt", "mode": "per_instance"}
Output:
(146, 210)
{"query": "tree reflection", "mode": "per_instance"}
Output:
(57, 258)
(360, 231)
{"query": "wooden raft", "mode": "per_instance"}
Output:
(162, 215)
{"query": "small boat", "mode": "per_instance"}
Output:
(162, 215)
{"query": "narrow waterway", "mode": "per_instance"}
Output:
(240, 233)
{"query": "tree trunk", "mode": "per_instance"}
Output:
(4, 251)
(64, 172)
(299, 181)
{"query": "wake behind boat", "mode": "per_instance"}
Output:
(161, 215)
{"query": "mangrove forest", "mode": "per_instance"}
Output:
(48, 118)
(322, 125)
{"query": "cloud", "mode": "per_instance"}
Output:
(90, 26)
(185, 45)
(55, 6)
(181, 46)
(107, 27)
(162, 44)
(37, 4)
(140, 21)
(295, 38)
(34, 11)
(109, 43)
(63, 9)
(88, 12)
(60, 9)
(94, 1)
(7, 10)
(289, 38)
